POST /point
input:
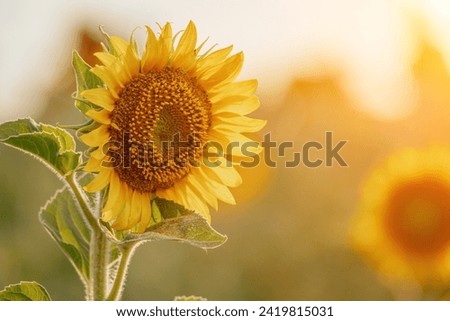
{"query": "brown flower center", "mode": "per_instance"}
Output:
(418, 216)
(159, 127)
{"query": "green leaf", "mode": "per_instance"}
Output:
(165, 209)
(178, 224)
(85, 80)
(54, 146)
(17, 127)
(66, 140)
(62, 218)
(24, 291)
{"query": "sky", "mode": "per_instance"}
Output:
(368, 43)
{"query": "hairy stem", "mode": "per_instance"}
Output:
(87, 212)
(99, 261)
(119, 282)
(99, 247)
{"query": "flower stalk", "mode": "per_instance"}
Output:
(82, 202)
(99, 261)
(99, 247)
(127, 251)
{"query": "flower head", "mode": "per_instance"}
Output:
(403, 226)
(156, 115)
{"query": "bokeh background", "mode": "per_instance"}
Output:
(375, 73)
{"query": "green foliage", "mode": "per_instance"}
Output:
(17, 127)
(69, 216)
(177, 224)
(54, 146)
(24, 291)
(62, 218)
(85, 80)
(66, 140)
(166, 209)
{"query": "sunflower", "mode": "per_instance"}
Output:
(157, 114)
(403, 226)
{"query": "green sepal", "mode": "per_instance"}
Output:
(108, 47)
(85, 80)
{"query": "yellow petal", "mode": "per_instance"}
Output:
(199, 48)
(100, 97)
(121, 223)
(100, 181)
(135, 209)
(106, 58)
(98, 154)
(146, 214)
(196, 204)
(178, 195)
(185, 52)
(166, 194)
(103, 116)
(227, 72)
(109, 79)
(212, 200)
(150, 56)
(239, 124)
(165, 43)
(93, 165)
(235, 144)
(212, 60)
(217, 138)
(241, 106)
(121, 74)
(119, 45)
(181, 196)
(131, 62)
(226, 175)
(97, 137)
(108, 215)
(219, 190)
(241, 88)
(113, 194)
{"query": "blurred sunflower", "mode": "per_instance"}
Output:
(166, 106)
(403, 226)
